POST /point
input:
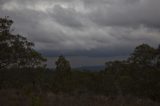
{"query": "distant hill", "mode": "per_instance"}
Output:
(91, 68)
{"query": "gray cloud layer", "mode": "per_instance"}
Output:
(85, 27)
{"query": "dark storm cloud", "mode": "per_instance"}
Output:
(85, 27)
(128, 13)
(67, 17)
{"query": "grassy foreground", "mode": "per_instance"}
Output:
(27, 98)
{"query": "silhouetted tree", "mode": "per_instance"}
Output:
(143, 55)
(158, 57)
(62, 65)
(16, 50)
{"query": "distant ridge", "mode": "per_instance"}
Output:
(91, 68)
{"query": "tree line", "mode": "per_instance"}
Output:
(22, 67)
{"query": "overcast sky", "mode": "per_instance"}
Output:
(94, 28)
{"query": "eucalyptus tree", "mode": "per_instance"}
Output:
(16, 50)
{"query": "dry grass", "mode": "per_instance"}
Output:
(21, 98)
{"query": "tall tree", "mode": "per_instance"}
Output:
(62, 65)
(16, 50)
(143, 55)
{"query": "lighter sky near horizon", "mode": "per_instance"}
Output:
(97, 29)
